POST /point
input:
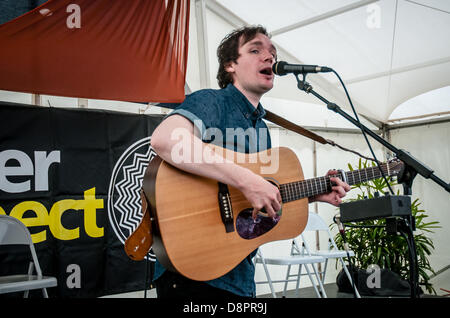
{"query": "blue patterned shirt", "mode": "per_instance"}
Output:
(226, 118)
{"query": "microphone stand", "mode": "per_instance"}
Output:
(406, 225)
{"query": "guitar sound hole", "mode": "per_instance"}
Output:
(248, 228)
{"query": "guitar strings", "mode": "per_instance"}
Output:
(305, 188)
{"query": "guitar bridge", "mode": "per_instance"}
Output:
(226, 210)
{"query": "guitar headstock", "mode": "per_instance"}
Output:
(395, 167)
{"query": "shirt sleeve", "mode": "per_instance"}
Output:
(202, 108)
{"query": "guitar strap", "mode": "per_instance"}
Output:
(274, 118)
(293, 127)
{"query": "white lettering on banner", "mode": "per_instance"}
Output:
(74, 279)
(374, 279)
(42, 163)
(74, 20)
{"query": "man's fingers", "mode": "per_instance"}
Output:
(267, 210)
(339, 183)
(270, 211)
(339, 191)
(279, 197)
(255, 213)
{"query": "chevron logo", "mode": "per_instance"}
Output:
(124, 200)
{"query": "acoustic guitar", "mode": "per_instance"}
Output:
(202, 229)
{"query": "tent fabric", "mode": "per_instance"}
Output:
(387, 52)
(134, 50)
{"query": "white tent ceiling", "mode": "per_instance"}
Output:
(387, 52)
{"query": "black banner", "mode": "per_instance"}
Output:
(73, 177)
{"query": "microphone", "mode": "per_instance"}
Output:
(282, 68)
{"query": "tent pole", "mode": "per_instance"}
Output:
(83, 102)
(202, 43)
(36, 99)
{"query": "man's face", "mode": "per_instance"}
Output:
(252, 71)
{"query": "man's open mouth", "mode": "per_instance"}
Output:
(266, 71)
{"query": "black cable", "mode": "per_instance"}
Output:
(408, 235)
(146, 276)
(363, 132)
(412, 271)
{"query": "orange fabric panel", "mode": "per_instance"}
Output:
(133, 50)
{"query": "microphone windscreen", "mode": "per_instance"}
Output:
(278, 68)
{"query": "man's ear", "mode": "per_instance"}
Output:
(230, 67)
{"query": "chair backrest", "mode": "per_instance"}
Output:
(315, 223)
(12, 231)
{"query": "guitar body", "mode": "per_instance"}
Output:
(189, 235)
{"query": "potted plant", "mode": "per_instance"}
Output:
(372, 245)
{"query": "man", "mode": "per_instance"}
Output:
(245, 74)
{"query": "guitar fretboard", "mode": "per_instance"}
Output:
(307, 188)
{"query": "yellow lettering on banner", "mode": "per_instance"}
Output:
(90, 206)
(56, 227)
(40, 219)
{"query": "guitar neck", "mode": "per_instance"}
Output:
(311, 187)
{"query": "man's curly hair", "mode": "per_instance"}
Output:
(228, 50)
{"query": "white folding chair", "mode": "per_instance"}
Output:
(14, 232)
(290, 260)
(316, 223)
